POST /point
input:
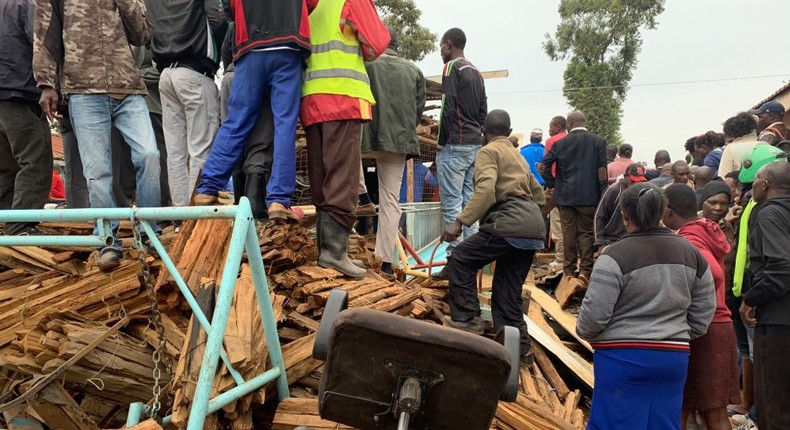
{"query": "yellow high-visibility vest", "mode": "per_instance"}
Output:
(335, 65)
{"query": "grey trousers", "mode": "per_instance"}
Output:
(25, 158)
(190, 115)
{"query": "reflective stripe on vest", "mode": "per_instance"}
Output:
(336, 65)
(336, 73)
(335, 45)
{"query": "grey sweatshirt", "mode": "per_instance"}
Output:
(651, 289)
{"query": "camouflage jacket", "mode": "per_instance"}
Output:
(82, 46)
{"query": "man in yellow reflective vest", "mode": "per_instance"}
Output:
(336, 101)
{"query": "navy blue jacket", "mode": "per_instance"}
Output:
(16, 38)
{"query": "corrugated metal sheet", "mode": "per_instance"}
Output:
(421, 223)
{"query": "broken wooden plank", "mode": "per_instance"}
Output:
(549, 371)
(568, 288)
(564, 318)
(573, 361)
(294, 412)
(55, 407)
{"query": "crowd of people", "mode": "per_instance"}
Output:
(687, 270)
(686, 264)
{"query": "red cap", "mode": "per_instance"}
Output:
(635, 172)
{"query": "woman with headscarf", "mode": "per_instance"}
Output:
(712, 382)
(649, 295)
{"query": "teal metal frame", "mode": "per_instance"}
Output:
(243, 238)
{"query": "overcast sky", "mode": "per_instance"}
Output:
(695, 40)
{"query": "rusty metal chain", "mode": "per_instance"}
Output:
(155, 319)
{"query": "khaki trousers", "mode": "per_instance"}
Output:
(389, 168)
(555, 222)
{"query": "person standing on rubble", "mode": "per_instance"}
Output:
(272, 42)
(185, 48)
(650, 293)
(25, 147)
(581, 178)
(557, 130)
(506, 201)
(337, 100)
(464, 107)
(82, 48)
(391, 137)
(255, 165)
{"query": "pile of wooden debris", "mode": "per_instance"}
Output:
(91, 335)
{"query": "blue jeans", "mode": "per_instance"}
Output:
(282, 71)
(455, 166)
(93, 116)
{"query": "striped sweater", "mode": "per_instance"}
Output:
(652, 289)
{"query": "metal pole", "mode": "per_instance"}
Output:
(208, 368)
(136, 411)
(81, 241)
(116, 214)
(190, 298)
(403, 423)
(236, 393)
(267, 313)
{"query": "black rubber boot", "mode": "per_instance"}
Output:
(255, 190)
(333, 248)
(319, 216)
(238, 186)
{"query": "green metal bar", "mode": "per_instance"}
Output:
(190, 298)
(136, 411)
(117, 214)
(267, 314)
(208, 368)
(236, 393)
(82, 241)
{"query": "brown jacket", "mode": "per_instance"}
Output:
(82, 46)
(500, 172)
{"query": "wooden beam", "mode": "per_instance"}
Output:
(568, 288)
(573, 361)
(564, 318)
(147, 425)
(549, 371)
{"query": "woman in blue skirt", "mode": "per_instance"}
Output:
(649, 294)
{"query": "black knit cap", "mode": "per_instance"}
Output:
(714, 188)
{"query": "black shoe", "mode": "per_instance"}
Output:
(475, 325)
(109, 259)
(442, 275)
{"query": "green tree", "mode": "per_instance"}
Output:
(415, 40)
(601, 40)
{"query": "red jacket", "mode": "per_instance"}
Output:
(262, 24)
(549, 143)
(711, 242)
(374, 37)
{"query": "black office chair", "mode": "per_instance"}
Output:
(384, 371)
